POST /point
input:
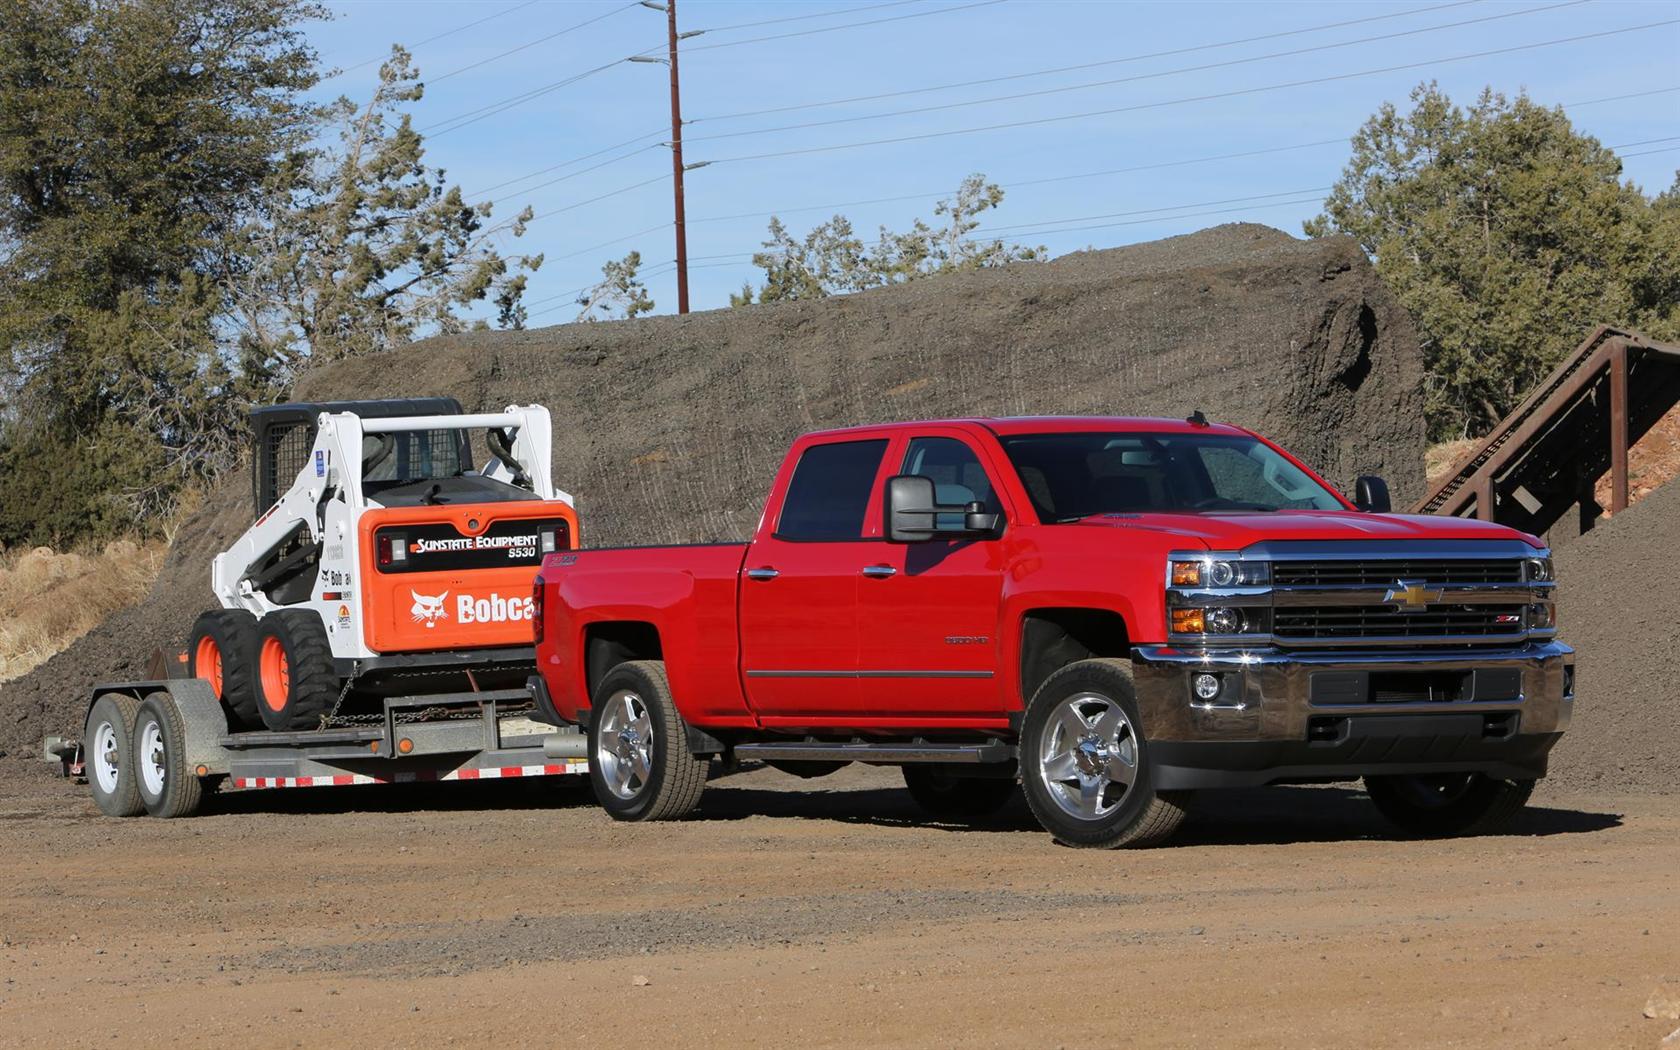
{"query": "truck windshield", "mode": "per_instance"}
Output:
(1073, 476)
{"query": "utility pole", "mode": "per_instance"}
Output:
(677, 163)
(677, 166)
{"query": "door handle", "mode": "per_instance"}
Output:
(879, 572)
(765, 573)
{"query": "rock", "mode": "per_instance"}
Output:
(1664, 1003)
(641, 980)
(1671, 1040)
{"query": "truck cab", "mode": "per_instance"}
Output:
(1113, 611)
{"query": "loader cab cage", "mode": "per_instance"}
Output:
(282, 436)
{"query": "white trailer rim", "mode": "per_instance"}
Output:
(106, 764)
(152, 769)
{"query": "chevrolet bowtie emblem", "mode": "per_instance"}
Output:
(1412, 595)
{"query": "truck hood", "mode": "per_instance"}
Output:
(1238, 530)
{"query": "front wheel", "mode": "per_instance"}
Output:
(639, 762)
(1085, 765)
(1448, 804)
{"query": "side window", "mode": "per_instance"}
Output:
(958, 477)
(828, 498)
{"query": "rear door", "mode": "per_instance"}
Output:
(799, 591)
(928, 612)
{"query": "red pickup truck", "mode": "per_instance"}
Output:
(1108, 612)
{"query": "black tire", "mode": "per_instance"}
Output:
(106, 747)
(659, 781)
(295, 681)
(1093, 694)
(167, 786)
(222, 650)
(806, 770)
(945, 792)
(1448, 804)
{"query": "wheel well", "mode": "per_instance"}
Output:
(606, 645)
(1053, 638)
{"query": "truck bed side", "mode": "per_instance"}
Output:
(679, 604)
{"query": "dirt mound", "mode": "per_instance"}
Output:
(1619, 613)
(668, 429)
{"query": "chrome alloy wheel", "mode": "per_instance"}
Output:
(105, 761)
(152, 768)
(1088, 756)
(624, 745)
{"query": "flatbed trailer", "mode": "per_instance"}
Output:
(158, 746)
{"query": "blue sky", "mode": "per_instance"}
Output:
(850, 48)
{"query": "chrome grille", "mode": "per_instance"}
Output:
(1377, 621)
(1436, 571)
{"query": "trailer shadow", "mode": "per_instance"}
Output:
(1261, 816)
(465, 796)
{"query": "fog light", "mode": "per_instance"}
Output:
(1224, 621)
(1206, 686)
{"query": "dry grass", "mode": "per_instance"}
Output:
(1439, 460)
(48, 599)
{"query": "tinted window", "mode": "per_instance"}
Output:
(828, 498)
(958, 478)
(1073, 476)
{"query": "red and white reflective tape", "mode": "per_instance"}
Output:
(414, 777)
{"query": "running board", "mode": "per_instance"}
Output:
(867, 751)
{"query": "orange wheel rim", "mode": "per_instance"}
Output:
(207, 664)
(276, 674)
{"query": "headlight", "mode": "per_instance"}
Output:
(1220, 620)
(1538, 570)
(1219, 571)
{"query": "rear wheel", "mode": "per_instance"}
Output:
(106, 751)
(639, 762)
(295, 680)
(945, 793)
(1085, 765)
(168, 787)
(1444, 805)
(222, 650)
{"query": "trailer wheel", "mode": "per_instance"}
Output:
(106, 750)
(945, 793)
(639, 762)
(222, 650)
(295, 679)
(167, 786)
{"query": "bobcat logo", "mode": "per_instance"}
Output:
(428, 610)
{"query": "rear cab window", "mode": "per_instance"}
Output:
(828, 497)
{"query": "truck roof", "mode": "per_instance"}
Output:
(1010, 425)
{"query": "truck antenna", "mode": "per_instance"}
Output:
(1196, 419)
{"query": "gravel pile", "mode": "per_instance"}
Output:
(668, 429)
(1619, 610)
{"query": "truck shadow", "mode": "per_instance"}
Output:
(1261, 816)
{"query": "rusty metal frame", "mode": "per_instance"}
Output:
(1473, 483)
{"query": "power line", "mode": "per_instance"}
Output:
(1648, 152)
(473, 116)
(431, 39)
(569, 163)
(602, 197)
(1134, 78)
(615, 240)
(1193, 98)
(533, 43)
(819, 14)
(1081, 66)
(1046, 223)
(847, 25)
(584, 171)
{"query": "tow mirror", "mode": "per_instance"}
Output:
(1370, 494)
(912, 513)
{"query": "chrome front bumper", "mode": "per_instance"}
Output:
(1283, 715)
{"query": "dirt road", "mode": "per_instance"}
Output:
(818, 914)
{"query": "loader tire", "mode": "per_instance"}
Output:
(295, 680)
(168, 786)
(639, 762)
(105, 755)
(222, 650)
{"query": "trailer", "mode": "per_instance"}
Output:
(161, 745)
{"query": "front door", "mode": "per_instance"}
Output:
(928, 612)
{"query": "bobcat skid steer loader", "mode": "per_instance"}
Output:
(382, 562)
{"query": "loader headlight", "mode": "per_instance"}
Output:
(548, 543)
